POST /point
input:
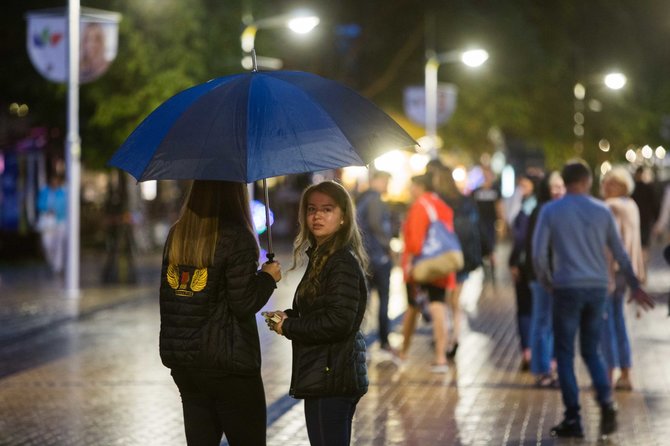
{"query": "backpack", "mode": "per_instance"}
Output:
(466, 227)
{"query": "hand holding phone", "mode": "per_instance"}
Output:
(270, 316)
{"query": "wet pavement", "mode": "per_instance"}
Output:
(87, 372)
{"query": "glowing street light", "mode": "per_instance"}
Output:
(615, 81)
(300, 23)
(472, 58)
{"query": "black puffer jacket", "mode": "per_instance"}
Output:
(208, 316)
(328, 347)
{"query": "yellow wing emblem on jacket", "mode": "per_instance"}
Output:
(185, 283)
(173, 276)
(199, 280)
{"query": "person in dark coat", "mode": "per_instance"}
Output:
(329, 368)
(210, 291)
(374, 220)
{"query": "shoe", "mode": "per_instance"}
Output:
(387, 353)
(623, 384)
(546, 381)
(525, 365)
(439, 368)
(608, 423)
(451, 353)
(568, 428)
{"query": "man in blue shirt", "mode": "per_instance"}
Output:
(570, 243)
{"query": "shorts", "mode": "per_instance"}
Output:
(435, 294)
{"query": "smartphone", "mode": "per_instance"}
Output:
(273, 317)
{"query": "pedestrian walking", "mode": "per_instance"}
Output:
(616, 187)
(577, 230)
(374, 220)
(209, 294)
(490, 206)
(415, 230)
(517, 265)
(466, 227)
(647, 202)
(52, 222)
(329, 368)
(542, 365)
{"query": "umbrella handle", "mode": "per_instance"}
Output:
(270, 256)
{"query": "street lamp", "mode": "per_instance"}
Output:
(299, 22)
(472, 58)
(613, 81)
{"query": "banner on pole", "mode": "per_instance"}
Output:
(46, 42)
(414, 100)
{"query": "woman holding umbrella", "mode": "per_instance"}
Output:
(209, 294)
(329, 369)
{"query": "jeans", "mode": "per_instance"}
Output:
(329, 420)
(615, 343)
(541, 330)
(214, 405)
(381, 281)
(523, 312)
(579, 309)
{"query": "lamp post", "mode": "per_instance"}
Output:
(472, 58)
(613, 81)
(299, 22)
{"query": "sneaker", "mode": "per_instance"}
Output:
(439, 368)
(451, 353)
(623, 384)
(568, 428)
(546, 381)
(608, 422)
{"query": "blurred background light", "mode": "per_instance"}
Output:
(615, 81)
(474, 58)
(660, 152)
(631, 156)
(507, 181)
(605, 167)
(304, 24)
(258, 216)
(149, 190)
(647, 152)
(604, 145)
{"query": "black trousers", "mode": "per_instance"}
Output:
(230, 404)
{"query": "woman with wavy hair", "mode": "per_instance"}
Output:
(329, 369)
(210, 291)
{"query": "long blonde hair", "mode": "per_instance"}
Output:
(208, 207)
(348, 235)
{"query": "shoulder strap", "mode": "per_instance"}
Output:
(430, 210)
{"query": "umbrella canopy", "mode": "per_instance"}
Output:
(257, 125)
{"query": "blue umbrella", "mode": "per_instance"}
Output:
(251, 126)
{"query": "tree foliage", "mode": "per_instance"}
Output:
(538, 51)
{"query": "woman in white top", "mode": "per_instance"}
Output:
(616, 188)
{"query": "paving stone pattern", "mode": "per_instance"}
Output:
(94, 378)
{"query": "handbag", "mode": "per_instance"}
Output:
(441, 252)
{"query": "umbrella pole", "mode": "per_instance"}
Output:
(270, 255)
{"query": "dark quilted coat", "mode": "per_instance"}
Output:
(214, 329)
(328, 347)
